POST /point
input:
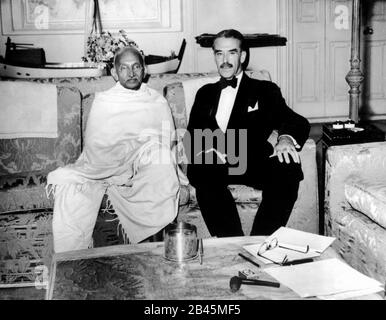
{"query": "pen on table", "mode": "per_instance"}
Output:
(201, 250)
(250, 260)
(297, 261)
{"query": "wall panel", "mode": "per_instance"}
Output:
(192, 18)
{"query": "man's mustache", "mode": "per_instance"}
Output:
(226, 65)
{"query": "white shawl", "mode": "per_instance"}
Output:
(122, 125)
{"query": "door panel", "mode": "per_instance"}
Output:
(338, 51)
(374, 58)
(308, 55)
(321, 51)
(308, 86)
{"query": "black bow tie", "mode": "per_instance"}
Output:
(224, 83)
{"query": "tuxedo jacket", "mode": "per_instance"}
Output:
(259, 108)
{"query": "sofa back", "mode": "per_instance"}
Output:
(172, 87)
(25, 162)
(23, 155)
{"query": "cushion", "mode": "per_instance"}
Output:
(174, 94)
(25, 162)
(46, 154)
(245, 194)
(191, 87)
(368, 197)
(247, 201)
(22, 198)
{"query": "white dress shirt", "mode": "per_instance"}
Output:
(225, 104)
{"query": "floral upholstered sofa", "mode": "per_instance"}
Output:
(355, 205)
(26, 212)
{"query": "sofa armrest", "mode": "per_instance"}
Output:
(305, 214)
(359, 240)
(342, 162)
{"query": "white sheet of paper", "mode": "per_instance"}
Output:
(352, 294)
(302, 239)
(322, 278)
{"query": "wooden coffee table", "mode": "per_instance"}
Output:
(141, 272)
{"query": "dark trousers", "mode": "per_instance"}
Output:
(279, 183)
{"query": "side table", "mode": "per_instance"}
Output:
(333, 137)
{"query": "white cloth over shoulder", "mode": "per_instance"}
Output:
(128, 143)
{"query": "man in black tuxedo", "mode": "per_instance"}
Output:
(230, 108)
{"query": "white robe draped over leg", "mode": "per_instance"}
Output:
(128, 155)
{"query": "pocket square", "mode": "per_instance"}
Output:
(256, 107)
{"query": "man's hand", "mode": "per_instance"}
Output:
(284, 148)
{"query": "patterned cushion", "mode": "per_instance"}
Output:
(245, 194)
(174, 94)
(25, 162)
(240, 193)
(27, 192)
(247, 202)
(368, 197)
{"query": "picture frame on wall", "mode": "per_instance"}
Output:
(21, 17)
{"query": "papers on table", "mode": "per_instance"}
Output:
(326, 279)
(290, 241)
(353, 294)
(299, 238)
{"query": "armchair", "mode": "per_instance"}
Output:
(355, 205)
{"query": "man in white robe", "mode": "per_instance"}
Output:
(127, 155)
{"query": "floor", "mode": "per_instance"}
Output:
(39, 294)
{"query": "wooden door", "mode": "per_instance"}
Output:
(320, 46)
(373, 36)
(321, 53)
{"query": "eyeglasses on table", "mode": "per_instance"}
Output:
(274, 243)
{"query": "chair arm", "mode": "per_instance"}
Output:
(362, 160)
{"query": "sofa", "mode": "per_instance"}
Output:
(355, 205)
(26, 212)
